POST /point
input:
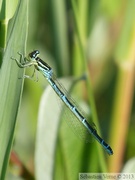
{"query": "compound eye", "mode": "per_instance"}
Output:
(34, 54)
(37, 52)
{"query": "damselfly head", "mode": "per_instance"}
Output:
(34, 54)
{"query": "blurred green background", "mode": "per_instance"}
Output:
(76, 37)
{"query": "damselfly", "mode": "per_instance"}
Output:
(46, 70)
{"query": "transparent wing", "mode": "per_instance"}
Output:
(66, 114)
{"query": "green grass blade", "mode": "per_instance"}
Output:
(124, 91)
(7, 10)
(89, 85)
(11, 86)
(61, 48)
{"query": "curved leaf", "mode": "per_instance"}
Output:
(11, 85)
(47, 132)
